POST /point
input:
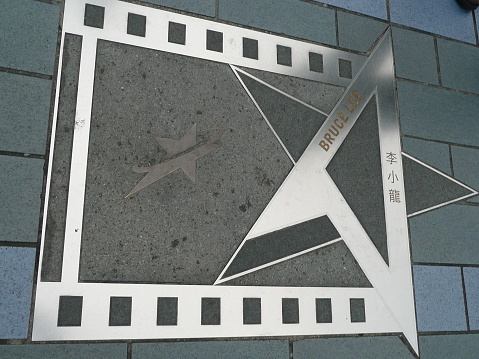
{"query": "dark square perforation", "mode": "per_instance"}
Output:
(214, 41)
(167, 311)
(250, 48)
(177, 33)
(136, 24)
(324, 313)
(290, 309)
(251, 310)
(283, 55)
(345, 69)
(70, 311)
(210, 311)
(316, 62)
(120, 311)
(357, 310)
(94, 16)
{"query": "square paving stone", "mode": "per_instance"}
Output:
(24, 113)
(65, 351)
(471, 281)
(299, 19)
(446, 235)
(449, 346)
(465, 162)
(29, 37)
(458, 64)
(20, 189)
(358, 32)
(375, 8)
(264, 349)
(438, 114)
(16, 281)
(434, 154)
(439, 298)
(204, 7)
(443, 17)
(415, 56)
(348, 348)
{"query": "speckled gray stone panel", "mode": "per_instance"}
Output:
(358, 32)
(57, 204)
(176, 33)
(20, 190)
(204, 7)
(345, 68)
(357, 162)
(357, 310)
(434, 154)
(64, 351)
(317, 94)
(94, 16)
(173, 231)
(167, 311)
(214, 41)
(120, 311)
(70, 311)
(449, 346)
(324, 312)
(290, 310)
(210, 311)
(283, 55)
(250, 48)
(136, 25)
(330, 266)
(251, 310)
(316, 62)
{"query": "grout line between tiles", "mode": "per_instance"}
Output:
(465, 299)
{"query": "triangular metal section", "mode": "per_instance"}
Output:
(309, 192)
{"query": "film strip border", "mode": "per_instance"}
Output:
(101, 311)
(168, 31)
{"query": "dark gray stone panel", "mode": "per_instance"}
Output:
(136, 25)
(251, 310)
(173, 231)
(316, 62)
(176, 33)
(250, 48)
(214, 41)
(290, 310)
(294, 123)
(357, 310)
(120, 311)
(94, 16)
(282, 243)
(70, 311)
(210, 311)
(167, 311)
(64, 351)
(317, 94)
(324, 313)
(426, 188)
(283, 55)
(57, 204)
(357, 163)
(345, 68)
(330, 266)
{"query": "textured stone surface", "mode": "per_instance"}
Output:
(433, 153)
(264, 349)
(299, 19)
(449, 346)
(358, 32)
(32, 29)
(24, 113)
(439, 298)
(204, 7)
(16, 282)
(173, 231)
(20, 189)
(445, 17)
(438, 114)
(376, 8)
(64, 351)
(446, 235)
(471, 282)
(466, 167)
(415, 56)
(347, 348)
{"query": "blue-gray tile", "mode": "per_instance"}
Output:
(438, 114)
(443, 17)
(459, 65)
(358, 32)
(433, 153)
(264, 349)
(16, 281)
(65, 351)
(446, 235)
(20, 190)
(30, 31)
(204, 7)
(471, 281)
(449, 346)
(290, 17)
(24, 113)
(439, 299)
(376, 8)
(466, 167)
(415, 56)
(346, 348)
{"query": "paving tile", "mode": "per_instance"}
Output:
(264, 349)
(438, 114)
(24, 113)
(20, 190)
(64, 351)
(466, 167)
(439, 298)
(346, 348)
(471, 281)
(443, 17)
(16, 281)
(458, 64)
(449, 346)
(376, 8)
(358, 32)
(290, 17)
(415, 56)
(433, 153)
(446, 235)
(32, 29)
(204, 7)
